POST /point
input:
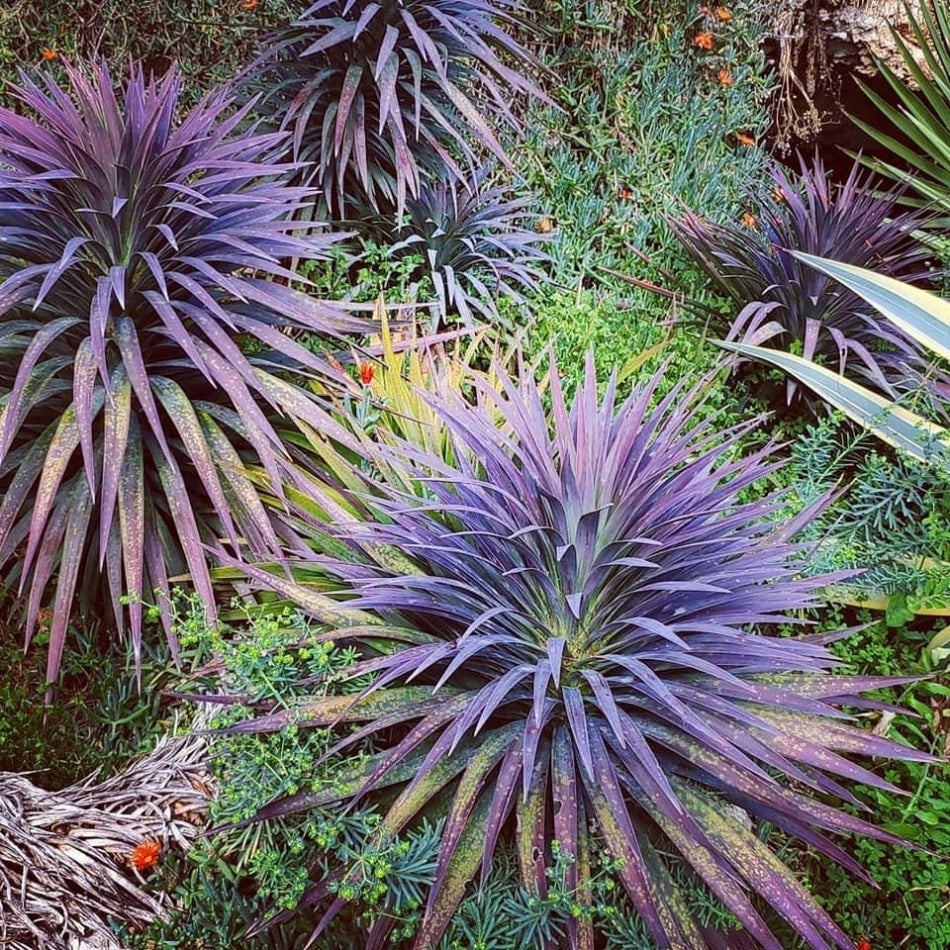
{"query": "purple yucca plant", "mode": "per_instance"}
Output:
(473, 244)
(806, 310)
(382, 96)
(136, 247)
(563, 635)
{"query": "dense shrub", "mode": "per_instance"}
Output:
(647, 121)
(560, 634)
(209, 40)
(136, 247)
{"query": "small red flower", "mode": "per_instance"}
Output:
(249, 5)
(863, 944)
(625, 194)
(49, 54)
(145, 855)
(366, 373)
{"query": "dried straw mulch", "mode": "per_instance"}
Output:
(65, 866)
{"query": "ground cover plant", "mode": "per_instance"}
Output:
(567, 611)
(137, 243)
(208, 41)
(648, 122)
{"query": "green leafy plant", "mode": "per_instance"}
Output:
(559, 626)
(384, 97)
(208, 40)
(644, 125)
(918, 111)
(909, 906)
(889, 519)
(137, 247)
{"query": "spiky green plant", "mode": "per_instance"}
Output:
(565, 631)
(919, 112)
(136, 249)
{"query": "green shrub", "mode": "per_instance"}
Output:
(645, 125)
(102, 719)
(209, 39)
(909, 907)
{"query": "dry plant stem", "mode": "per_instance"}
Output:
(64, 869)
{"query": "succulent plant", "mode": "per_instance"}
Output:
(136, 257)
(473, 245)
(383, 96)
(805, 311)
(567, 635)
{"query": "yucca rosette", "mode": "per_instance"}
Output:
(569, 633)
(143, 364)
(384, 96)
(800, 309)
(473, 241)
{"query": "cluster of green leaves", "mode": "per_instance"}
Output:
(101, 719)
(892, 522)
(909, 906)
(209, 39)
(644, 124)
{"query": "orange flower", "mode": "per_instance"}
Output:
(49, 54)
(863, 944)
(723, 13)
(249, 5)
(743, 138)
(366, 373)
(625, 193)
(145, 855)
(725, 79)
(749, 219)
(704, 40)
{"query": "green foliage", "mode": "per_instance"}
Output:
(644, 125)
(917, 111)
(909, 908)
(103, 719)
(244, 873)
(210, 39)
(890, 519)
(472, 241)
